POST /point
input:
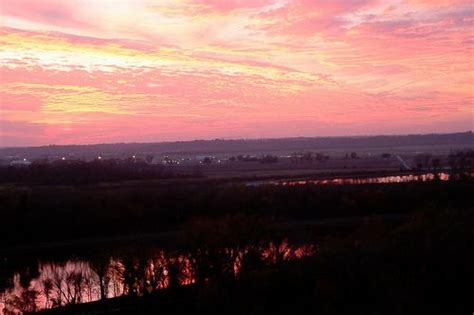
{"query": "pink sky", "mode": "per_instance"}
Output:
(92, 71)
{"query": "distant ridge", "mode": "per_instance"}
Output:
(246, 145)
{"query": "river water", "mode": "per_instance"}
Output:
(357, 180)
(73, 281)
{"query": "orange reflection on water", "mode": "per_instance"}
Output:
(79, 281)
(368, 180)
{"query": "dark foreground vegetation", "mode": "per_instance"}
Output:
(421, 267)
(288, 261)
(77, 172)
(57, 213)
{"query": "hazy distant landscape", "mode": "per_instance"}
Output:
(430, 142)
(244, 159)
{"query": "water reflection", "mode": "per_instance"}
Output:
(80, 281)
(357, 181)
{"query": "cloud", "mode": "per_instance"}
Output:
(440, 3)
(98, 71)
(48, 12)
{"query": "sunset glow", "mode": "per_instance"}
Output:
(98, 71)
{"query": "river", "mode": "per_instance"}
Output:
(74, 281)
(356, 180)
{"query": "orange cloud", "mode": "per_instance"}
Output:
(138, 70)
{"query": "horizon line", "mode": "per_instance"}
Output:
(236, 139)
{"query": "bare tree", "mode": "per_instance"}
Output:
(100, 266)
(47, 290)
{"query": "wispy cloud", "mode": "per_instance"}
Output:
(138, 70)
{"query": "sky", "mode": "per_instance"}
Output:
(96, 71)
